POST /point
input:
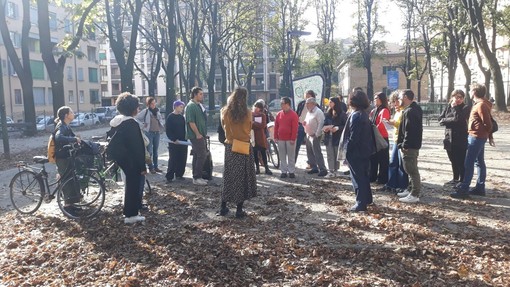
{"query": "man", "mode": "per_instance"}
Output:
(479, 130)
(285, 134)
(176, 133)
(410, 133)
(301, 112)
(196, 130)
(313, 124)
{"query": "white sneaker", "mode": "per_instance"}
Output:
(410, 199)
(134, 219)
(403, 193)
(199, 181)
(330, 175)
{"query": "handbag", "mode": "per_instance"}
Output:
(494, 125)
(241, 147)
(379, 142)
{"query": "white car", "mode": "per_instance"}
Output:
(9, 121)
(46, 123)
(85, 119)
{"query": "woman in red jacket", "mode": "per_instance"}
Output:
(379, 161)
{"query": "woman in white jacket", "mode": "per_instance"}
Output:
(152, 124)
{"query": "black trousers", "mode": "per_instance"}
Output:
(262, 151)
(132, 194)
(457, 156)
(359, 168)
(177, 160)
(379, 163)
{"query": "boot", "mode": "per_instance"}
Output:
(268, 171)
(257, 170)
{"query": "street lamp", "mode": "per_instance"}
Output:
(296, 33)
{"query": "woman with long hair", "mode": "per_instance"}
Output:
(239, 182)
(379, 161)
(334, 124)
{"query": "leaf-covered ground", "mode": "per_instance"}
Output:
(298, 233)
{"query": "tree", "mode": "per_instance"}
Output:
(54, 67)
(22, 67)
(367, 28)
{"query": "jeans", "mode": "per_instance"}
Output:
(410, 160)
(397, 176)
(299, 140)
(474, 156)
(286, 151)
(153, 148)
(360, 168)
(332, 154)
(314, 153)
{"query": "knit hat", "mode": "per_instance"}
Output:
(178, 103)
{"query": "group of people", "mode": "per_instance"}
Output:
(347, 133)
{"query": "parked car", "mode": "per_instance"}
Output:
(85, 119)
(112, 112)
(102, 111)
(45, 123)
(8, 121)
(274, 105)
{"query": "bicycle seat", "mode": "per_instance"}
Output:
(40, 159)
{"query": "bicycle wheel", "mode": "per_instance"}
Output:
(81, 196)
(26, 192)
(272, 154)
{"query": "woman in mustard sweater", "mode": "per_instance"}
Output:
(239, 183)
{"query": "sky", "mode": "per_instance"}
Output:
(390, 17)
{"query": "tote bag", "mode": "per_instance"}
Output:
(379, 142)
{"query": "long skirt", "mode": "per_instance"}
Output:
(239, 181)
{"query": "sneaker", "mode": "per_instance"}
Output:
(312, 171)
(308, 167)
(283, 175)
(459, 194)
(222, 212)
(410, 199)
(199, 181)
(292, 175)
(157, 170)
(404, 193)
(476, 191)
(330, 175)
(323, 173)
(134, 219)
(357, 208)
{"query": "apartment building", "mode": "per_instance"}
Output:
(81, 75)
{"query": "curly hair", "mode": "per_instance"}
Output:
(127, 104)
(237, 108)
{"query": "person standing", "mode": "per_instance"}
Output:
(239, 182)
(176, 132)
(313, 123)
(259, 126)
(129, 134)
(358, 146)
(410, 133)
(398, 179)
(479, 130)
(196, 131)
(380, 160)
(285, 134)
(333, 126)
(454, 119)
(301, 112)
(63, 136)
(153, 126)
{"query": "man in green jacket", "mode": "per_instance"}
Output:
(196, 130)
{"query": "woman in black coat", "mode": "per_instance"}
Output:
(454, 118)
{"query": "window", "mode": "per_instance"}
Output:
(39, 97)
(16, 39)
(68, 26)
(53, 21)
(70, 96)
(34, 17)
(93, 75)
(80, 74)
(91, 54)
(388, 68)
(94, 97)
(50, 96)
(12, 10)
(69, 73)
(272, 82)
(37, 69)
(18, 98)
(34, 45)
(82, 97)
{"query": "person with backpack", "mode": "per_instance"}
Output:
(127, 148)
(153, 125)
(63, 136)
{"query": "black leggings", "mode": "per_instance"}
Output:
(457, 156)
(262, 151)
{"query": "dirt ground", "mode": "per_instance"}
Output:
(298, 233)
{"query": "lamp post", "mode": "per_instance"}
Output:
(291, 33)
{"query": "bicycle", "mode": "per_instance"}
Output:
(30, 186)
(272, 148)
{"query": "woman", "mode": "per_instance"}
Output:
(359, 145)
(454, 118)
(239, 183)
(153, 125)
(259, 126)
(127, 128)
(397, 177)
(64, 136)
(334, 124)
(380, 160)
